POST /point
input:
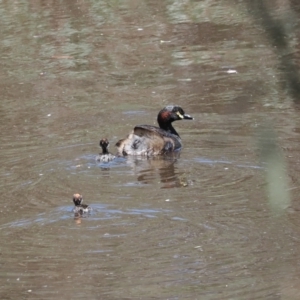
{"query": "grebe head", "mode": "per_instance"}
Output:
(77, 199)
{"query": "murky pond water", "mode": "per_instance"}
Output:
(219, 221)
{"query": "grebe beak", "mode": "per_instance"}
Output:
(188, 117)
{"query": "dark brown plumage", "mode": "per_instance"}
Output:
(151, 140)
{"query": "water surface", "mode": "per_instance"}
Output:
(202, 225)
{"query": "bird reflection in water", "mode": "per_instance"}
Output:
(147, 169)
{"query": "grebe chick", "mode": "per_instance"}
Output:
(80, 208)
(151, 140)
(105, 156)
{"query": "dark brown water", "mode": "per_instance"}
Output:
(219, 222)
